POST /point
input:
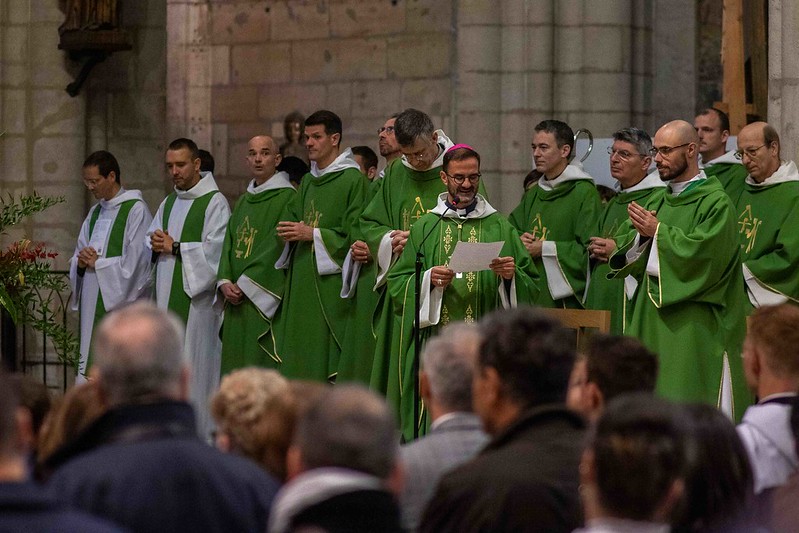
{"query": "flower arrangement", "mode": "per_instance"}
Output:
(28, 287)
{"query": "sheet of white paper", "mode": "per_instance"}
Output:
(474, 256)
(99, 235)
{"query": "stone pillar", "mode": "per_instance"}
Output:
(674, 60)
(783, 74)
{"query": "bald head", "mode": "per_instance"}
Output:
(139, 355)
(677, 144)
(263, 156)
(759, 147)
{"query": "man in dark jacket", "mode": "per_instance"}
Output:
(141, 464)
(526, 478)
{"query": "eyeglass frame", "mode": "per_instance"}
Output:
(389, 129)
(624, 155)
(750, 152)
(460, 179)
(664, 151)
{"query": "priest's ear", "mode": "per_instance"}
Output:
(335, 139)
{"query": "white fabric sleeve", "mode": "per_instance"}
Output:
(636, 250)
(155, 224)
(508, 297)
(284, 260)
(123, 278)
(385, 258)
(630, 284)
(556, 281)
(429, 302)
(324, 263)
(759, 294)
(201, 259)
(349, 276)
(653, 261)
(266, 302)
(75, 281)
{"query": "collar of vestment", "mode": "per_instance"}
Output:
(785, 173)
(279, 180)
(680, 187)
(650, 181)
(121, 196)
(481, 208)
(444, 144)
(572, 172)
(532, 417)
(342, 162)
(315, 486)
(727, 158)
(203, 187)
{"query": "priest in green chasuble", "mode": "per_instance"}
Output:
(557, 216)
(249, 287)
(713, 127)
(311, 323)
(768, 218)
(629, 165)
(461, 214)
(683, 255)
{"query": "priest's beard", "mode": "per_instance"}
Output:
(676, 168)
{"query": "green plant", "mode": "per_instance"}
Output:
(29, 290)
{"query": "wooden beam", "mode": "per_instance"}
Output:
(732, 62)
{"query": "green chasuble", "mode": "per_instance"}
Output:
(311, 322)
(768, 227)
(404, 197)
(249, 253)
(608, 294)
(730, 173)
(467, 298)
(357, 352)
(688, 307)
(562, 212)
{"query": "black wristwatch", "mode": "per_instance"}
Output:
(176, 248)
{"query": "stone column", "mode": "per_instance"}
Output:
(783, 74)
(674, 60)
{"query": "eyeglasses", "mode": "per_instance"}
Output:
(623, 154)
(664, 151)
(458, 179)
(387, 129)
(751, 152)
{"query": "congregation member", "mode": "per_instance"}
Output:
(630, 160)
(713, 128)
(24, 506)
(316, 230)
(456, 435)
(768, 214)
(254, 410)
(557, 216)
(611, 366)
(771, 364)
(249, 286)
(408, 189)
(684, 256)
(526, 478)
(186, 239)
(343, 466)
(141, 464)
(387, 143)
(461, 214)
(110, 267)
(367, 161)
(635, 468)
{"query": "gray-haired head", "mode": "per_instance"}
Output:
(449, 361)
(637, 137)
(139, 354)
(351, 427)
(412, 124)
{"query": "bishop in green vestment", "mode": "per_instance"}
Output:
(459, 215)
(557, 216)
(316, 228)
(684, 256)
(768, 219)
(629, 164)
(249, 286)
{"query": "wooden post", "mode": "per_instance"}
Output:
(732, 61)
